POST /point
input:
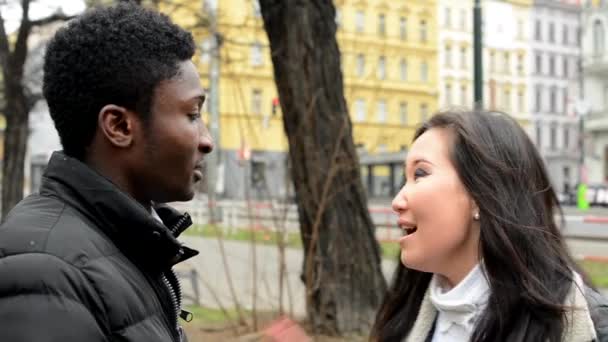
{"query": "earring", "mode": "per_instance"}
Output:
(476, 216)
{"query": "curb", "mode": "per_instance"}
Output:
(595, 219)
(593, 258)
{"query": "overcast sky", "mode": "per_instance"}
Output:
(11, 11)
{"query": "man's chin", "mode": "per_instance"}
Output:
(181, 196)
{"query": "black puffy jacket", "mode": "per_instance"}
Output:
(83, 261)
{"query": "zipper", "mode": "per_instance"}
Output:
(174, 295)
(171, 281)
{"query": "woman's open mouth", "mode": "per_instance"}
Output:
(408, 229)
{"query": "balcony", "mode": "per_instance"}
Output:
(596, 121)
(596, 64)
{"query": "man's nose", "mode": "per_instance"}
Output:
(205, 142)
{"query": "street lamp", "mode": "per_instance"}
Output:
(477, 56)
(582, 109)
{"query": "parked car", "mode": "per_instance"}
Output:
(597, 196)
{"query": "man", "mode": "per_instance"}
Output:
(89, 258)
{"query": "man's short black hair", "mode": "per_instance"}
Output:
(113, 55)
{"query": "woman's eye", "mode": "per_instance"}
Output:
(419, 173)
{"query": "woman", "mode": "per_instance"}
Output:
(482, 258)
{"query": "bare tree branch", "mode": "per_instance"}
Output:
(4, 46)
(51, 19)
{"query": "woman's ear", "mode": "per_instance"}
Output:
(116, 124)
(475, 212)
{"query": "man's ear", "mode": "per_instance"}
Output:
(117, 125)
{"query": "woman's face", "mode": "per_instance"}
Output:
(441, 234)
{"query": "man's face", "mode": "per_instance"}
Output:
(174, 141)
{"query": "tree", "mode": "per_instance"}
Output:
(18, 101)
(344, 281)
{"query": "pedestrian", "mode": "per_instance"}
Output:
(482, 257)
(89, 257)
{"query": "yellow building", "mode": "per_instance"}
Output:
(390, 72)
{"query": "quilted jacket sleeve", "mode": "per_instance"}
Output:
(598, 307)
(44, 299)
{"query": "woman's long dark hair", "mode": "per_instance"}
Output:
(526, 262)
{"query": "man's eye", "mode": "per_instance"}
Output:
(194, 116)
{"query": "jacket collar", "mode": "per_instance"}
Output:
(579, 327)
(126, 222)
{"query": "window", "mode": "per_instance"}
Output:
(403, 28)
(359, 110)
(359, 21)
(360, 65)
(381, 111)
(256, 101)
(553, 136)
(538, 65)
(381, 25)
(424, 112)
(565, 67)
(381, 68)
(565, 34)
(257, 57)
(598, 38)
(506, 100)
(566, 137)
(565, 101)
(553, 100)
(424, 72)
(539, 99)
(448, 95)
(448, 56)
(463, 19)
(520, 64)
(507, 63)
(521, 102)
(403, 112)
(448, 17)
(463, 95)
(539, 134)
(551, 33)
(538, 31)
(403, 69)
(552, 65)
(463, 57)
(520, 29)
(258, 174)
(423, 30)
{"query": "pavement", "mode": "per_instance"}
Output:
(216, 278)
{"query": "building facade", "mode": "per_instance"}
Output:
(594, 23)
(455, 54)
(389, 64)
(555, 88)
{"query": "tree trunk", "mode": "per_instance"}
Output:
(15, 144)
(342, 272)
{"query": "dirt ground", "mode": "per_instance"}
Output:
(227, 333)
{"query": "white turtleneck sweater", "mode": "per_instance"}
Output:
(458, 308)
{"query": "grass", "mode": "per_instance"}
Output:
(262, 236)
(598, 271)
(211, 316)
